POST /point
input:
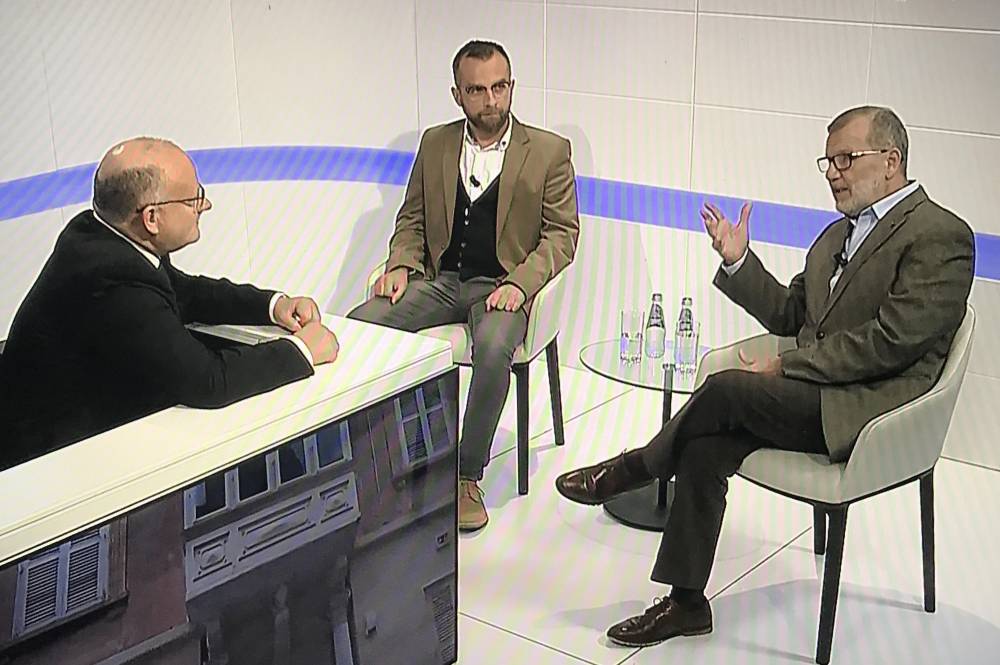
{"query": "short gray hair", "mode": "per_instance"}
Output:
(118, 195)
(886, 131)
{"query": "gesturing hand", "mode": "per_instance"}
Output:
(506, 297)
(293, 313)
(729, 240)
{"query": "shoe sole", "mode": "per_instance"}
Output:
(472, 527)
(688, 633)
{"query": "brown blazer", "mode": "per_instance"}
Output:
(881, 337)
(537, 222)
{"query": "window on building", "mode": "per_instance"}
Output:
(263, 474)
(62, 582)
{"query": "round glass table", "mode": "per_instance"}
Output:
(649, 506)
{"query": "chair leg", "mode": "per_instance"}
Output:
(521, 376)
(927, 538)
(831, 583)
(555, 390)
(819, 530)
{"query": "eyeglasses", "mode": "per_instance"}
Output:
(843, 161)
(499, 89)
(196, 202)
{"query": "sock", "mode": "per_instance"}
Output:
(636, 466)
(688, 597)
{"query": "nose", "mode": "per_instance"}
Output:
(206, 206)
(832, 173)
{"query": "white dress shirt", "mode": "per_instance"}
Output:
(863, 226)
(479, 166)
(154, 260)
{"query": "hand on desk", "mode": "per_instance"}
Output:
(760, 366)
(293, 313)
(322, 343)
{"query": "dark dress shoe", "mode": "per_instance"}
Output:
(596, 484)
(665, 619)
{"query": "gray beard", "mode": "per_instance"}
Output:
(489, 127)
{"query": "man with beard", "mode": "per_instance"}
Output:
(874, 312)
(489, 217)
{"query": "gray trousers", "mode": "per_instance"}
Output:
(733, 414)
(495, 335)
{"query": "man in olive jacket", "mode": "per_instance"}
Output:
(874, 313)
(489, 217)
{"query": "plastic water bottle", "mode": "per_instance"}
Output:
(685, 338)
(656, 329)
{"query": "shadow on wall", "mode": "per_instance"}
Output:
(609, 271)
(369, 241)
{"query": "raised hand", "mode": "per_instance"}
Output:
(729, 240)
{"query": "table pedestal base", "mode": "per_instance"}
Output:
(643, 508)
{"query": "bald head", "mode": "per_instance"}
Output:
(134, 173)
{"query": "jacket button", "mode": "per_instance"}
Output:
(820, 335)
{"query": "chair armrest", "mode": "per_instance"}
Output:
(727, 357)
(543, 317)
(373, 276)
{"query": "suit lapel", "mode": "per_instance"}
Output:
(513, 161)
(449, 169)
(880, 234)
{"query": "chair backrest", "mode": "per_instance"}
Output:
(908, 440)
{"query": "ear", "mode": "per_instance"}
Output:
(150, 220)
(893, 161)
(456, 95)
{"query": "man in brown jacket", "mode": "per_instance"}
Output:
(874, 313)
(489, 217)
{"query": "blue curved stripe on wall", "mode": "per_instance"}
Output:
(786, 225)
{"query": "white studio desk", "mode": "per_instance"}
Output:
(118, 475)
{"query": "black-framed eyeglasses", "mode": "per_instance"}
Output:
(843, 161)
(499, 89)
(197, 201)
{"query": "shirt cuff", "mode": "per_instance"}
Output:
(270, 308)
(731, 270)
(302, 347)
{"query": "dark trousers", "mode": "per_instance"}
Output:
(495, 335)
(733, 414)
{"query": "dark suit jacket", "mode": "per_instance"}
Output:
(537, 221)
(100, 340)
(881, 337)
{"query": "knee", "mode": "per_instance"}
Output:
(727, 384)
(374, 310)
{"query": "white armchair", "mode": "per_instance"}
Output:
(542, 335)
(893, 449)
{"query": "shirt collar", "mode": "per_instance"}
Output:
(152, 258)
(881, 208)
(499, 145)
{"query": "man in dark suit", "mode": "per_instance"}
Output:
(489, 217)
(874, 313)
(100, 338)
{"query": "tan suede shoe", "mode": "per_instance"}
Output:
(471, 511)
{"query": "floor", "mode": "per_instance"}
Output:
(544, 580)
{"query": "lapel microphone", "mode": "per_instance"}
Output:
(474, 180)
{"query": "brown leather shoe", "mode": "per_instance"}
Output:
(665, 619)
(596, 484)
(471, 510)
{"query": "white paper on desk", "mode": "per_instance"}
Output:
(240, 333)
